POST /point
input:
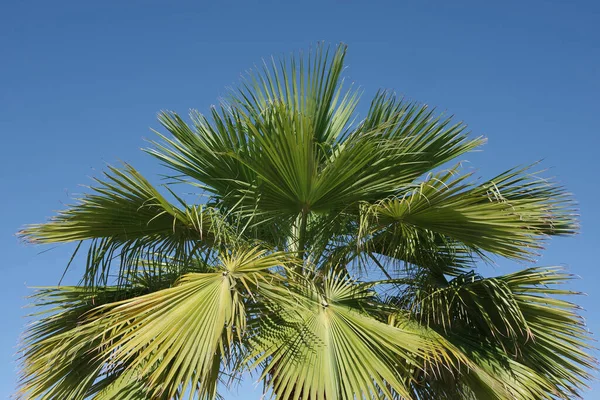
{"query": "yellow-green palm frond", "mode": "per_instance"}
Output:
(336, 257)
(326, 345)
(507, 215)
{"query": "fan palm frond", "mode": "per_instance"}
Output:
(335, 258)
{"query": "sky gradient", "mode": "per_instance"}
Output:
(81, 84)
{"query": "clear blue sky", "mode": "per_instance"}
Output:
(81, 83)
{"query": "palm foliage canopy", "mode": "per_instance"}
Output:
(329, 256)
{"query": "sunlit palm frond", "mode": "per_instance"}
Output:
(107, 331)
(129, 221)
(123, 207)
(421, 139)
(284, 146)
(327, 346)
(309, 86)
(268, 141)
(507, 216)
(182, 335)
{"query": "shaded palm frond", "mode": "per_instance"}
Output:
(511, 322)
(59, 357)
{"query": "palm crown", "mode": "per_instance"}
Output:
(331, 259)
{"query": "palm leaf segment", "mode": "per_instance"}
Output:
(279, 271)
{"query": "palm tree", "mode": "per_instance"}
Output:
(331, 259)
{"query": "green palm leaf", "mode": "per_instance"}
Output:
(124, 207)
(507, 215)
(127, 218)
(513, 320)
(334, 257)
(325, 346)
